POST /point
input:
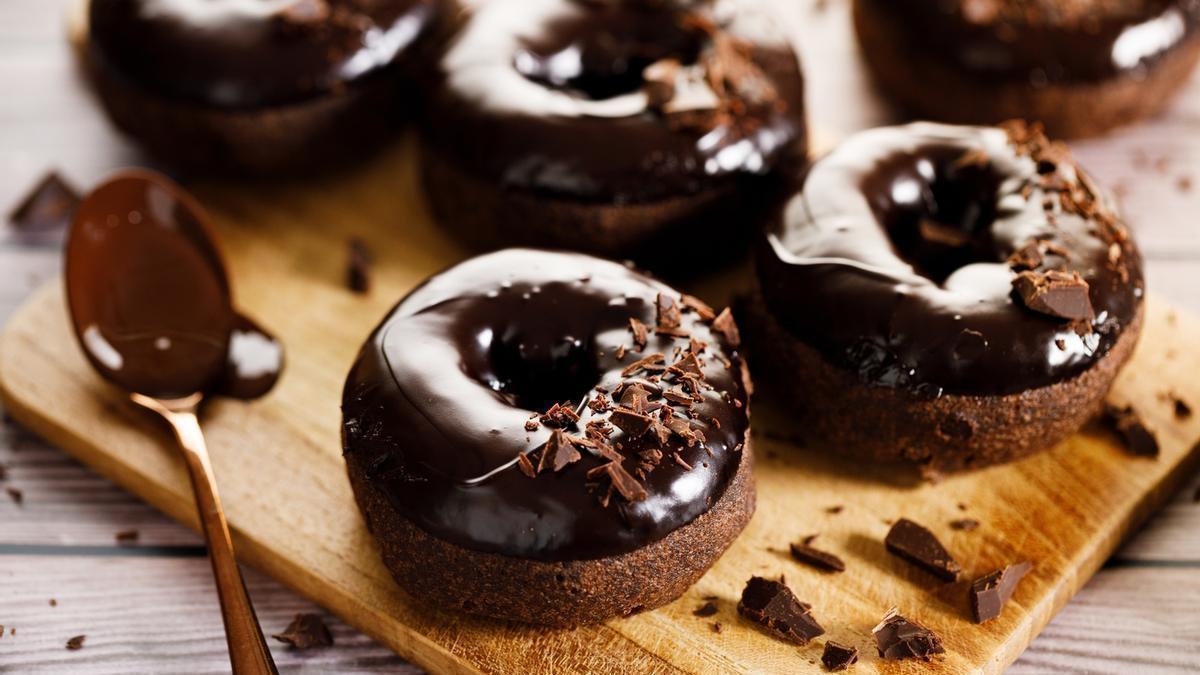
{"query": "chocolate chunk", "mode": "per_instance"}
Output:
(531, 425)
(918, 546)
(688, 365)
(989, 593)
(76, 643)
(557, 452)
(1126, 422)
(1056, 294)
(838, 656)
(305, 632)
(817, 558)
(668, 315)
(707, 609)
(632, 423)
(773, 606)
(358, 266)
(16, 495)
(49, 206)
(727, 327)
(525, 465)
(698, 306)
(636, 398)
(965, 524)
(640, 333)
(899, 638)
(127, 537)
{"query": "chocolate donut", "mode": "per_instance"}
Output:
(1081, 67)
(950, 296)
(259, 86)
(624, 128)
(549, 438)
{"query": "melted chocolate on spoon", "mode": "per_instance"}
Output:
(150, 299)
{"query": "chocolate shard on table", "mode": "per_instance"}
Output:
(1128, 424)
(897, 637)
(48, 207)
(707, 609)
(965, 524)
(991, 592)
(919, 546)
(837, 656)
(306, 631)
(772, 605)
(814, 557)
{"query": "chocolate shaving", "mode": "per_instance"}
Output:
(990, 592)
(727, 327)
(560, 415)
(707, 609)
(643, 363)
(558, 452)
(625, 484)
(305, 632)
(667, 312)
(688, 365)
(640, 334)
(698, 306)
(1055, 293)
(358, 266)
(817, 558)
(1138, 439)
(837, 656)
(899, 638)
(772, 605)
(49, 206)
(634, 424)
(531, 425)
(965, 524)
(1028, 257)
(917, 545)
(525, 465)
(599, 404)
(76, 643)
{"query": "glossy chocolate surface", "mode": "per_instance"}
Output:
(242, 54)
(437, 402)
(849, 269)
(149, 298)
(1044, 42)
(550, 96)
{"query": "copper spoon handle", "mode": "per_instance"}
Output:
(248, 651)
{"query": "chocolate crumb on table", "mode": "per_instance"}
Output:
(917, 545)
(53, 602)
(773, 606)
(1138, 440)
(127, 537)
(838, 657)
(716, 627)
(897, 637)
(965, 524)
(358, 266)
(76, 642)
(707, 609)
(48, 207)
(1182, 409)
(834, 510)
(305, 632)
(814, 557)
(991, 592)
(16, 495)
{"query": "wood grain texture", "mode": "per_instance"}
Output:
(278, 462)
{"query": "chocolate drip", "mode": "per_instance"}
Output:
(553, 90)
(1043, 42)
(242, 55)
(896, 260)
(448, 391)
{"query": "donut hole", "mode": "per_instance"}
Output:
(535, 372)
(603, 53)
(937, 209)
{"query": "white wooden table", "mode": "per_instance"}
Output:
(149, 606)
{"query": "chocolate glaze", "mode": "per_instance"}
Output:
(245, 54)
(1046, 44)
(437, 402)
(846, 270)
(150, 300)
(554, 90)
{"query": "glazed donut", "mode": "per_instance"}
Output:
(255, 86)
(1081, 67)
(550, 438)
(623, 128)
(950, 296)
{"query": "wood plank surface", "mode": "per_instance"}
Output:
(53, 123)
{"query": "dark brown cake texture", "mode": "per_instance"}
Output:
(661, 140)
(948, 296)
(263, 89)
(549, 438)
(1081, 67)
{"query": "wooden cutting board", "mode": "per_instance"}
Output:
(278, 462)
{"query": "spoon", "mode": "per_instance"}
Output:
(150, 303)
